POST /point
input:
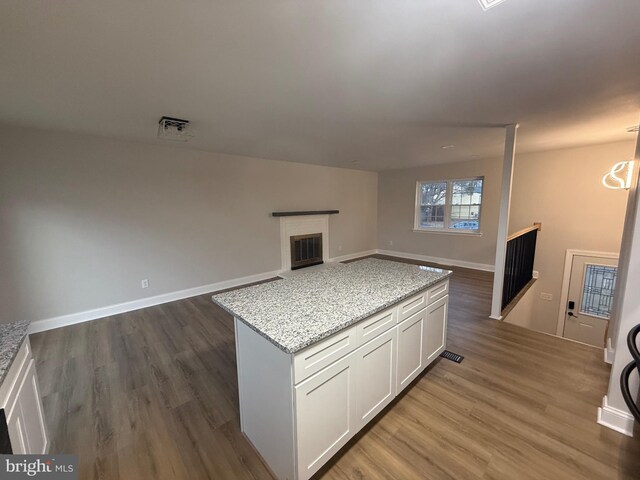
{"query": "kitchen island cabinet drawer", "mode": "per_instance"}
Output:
(316, 357)
(412, 305)
(376, 325)
(437, 292)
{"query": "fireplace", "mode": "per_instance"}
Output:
(306, 250)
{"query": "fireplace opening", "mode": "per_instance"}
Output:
(306, 250)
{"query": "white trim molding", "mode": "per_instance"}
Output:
(615, 419)
(88, 315)
(564, 292)
(102, 312)
(439, 260)
(609, 352)
(351, 256)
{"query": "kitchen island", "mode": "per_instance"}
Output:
(320, 354)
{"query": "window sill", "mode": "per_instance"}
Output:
(449, 232)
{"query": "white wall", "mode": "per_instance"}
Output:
(396, 209)
(614, 413)
(563, 190)
(522, 312)
(83, 219)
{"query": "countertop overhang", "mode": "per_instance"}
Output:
(297, 312)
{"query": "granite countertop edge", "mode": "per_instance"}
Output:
(12, 336)
(308, 342)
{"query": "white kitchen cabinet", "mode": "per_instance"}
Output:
(375, 376)
(325, 414)
(20, 397)
(410, 349)
(299, 409)
(435, 330)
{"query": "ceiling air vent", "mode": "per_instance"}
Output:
(174, 129)
(487, 4)
(633, 129)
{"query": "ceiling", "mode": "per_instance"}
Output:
(369, 84)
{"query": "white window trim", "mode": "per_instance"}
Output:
(447, 210)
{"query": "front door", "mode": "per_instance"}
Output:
(588, 309)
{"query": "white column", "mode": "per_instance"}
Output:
(623, 267)
(503, 222)
(614, 412)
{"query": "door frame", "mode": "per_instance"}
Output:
(566, 276)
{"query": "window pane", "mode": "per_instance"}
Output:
(597, 293)
(467, 196)
(433, 193)
(432, 216)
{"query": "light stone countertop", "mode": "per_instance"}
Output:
(296, 312)
(11, 337)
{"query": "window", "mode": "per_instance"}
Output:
(597, 294)
(449, 205)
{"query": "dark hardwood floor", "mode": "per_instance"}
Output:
(152, 394)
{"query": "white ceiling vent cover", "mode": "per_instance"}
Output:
(174, 129)
(487, 4)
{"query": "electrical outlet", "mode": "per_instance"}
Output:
(391, 243)
(339, 248)
(546, 296)
(145, 283)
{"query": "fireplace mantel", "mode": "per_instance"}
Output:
(299, 213)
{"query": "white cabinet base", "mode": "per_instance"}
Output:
(376, 376)
(20, 398)
(410, 357)
(435, 330)
(325, 414)
(299, 409)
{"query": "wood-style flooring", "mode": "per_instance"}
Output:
(152, 394)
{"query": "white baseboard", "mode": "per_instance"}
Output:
(609, 352)
(615, 419)
(440, 261)
(351, 256)
(73, 318)
(88, 315)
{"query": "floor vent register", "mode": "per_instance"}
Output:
(454, 357)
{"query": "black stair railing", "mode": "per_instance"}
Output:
(518, 266)
(626, 372)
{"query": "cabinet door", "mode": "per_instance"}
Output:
(410, 351)
(435, 330)
(27, 431)
(325, 414)
(376, 376)
(17, 435)
(31, 404)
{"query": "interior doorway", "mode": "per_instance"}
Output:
(587, 296)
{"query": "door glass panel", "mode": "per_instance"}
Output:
(597, 292)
